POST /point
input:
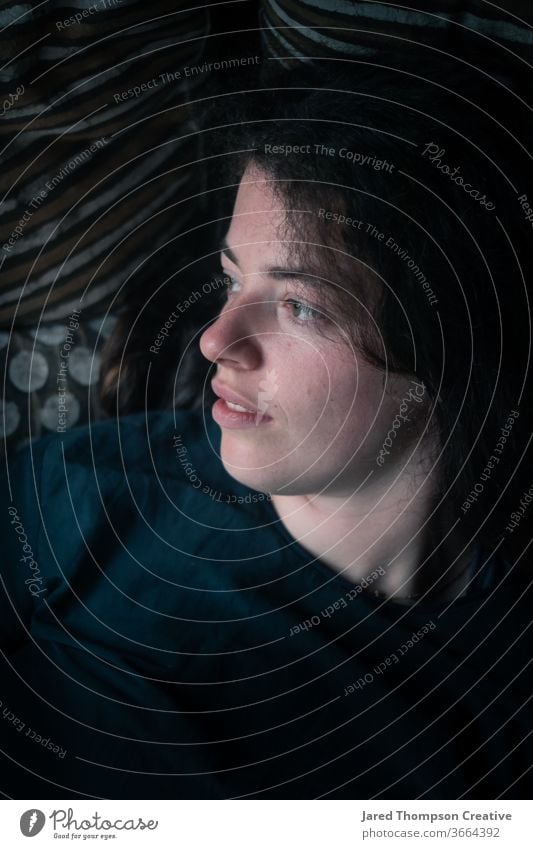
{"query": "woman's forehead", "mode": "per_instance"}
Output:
(265, 234)
(259, 222)
(257, 205)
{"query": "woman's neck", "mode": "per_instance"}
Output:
(385, 524)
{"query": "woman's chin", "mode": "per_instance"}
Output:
(254, 472)
(252, 478)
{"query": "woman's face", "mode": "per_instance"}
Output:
(318, 413)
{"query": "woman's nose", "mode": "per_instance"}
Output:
(230, 340)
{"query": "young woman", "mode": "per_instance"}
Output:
(305, 586)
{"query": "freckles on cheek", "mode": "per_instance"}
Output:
(317, 374)
(300, 364)
(313, 384)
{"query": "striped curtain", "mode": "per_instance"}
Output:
(481, 32)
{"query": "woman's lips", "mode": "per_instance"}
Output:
(233, 411)
(233, 397)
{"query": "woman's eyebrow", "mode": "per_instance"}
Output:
(278, 272)
(224, 248)
(303, 276)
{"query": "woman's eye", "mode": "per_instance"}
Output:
(297, 311)
(227, 284)
(302, 313)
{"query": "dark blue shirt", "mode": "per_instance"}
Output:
(165, 637)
